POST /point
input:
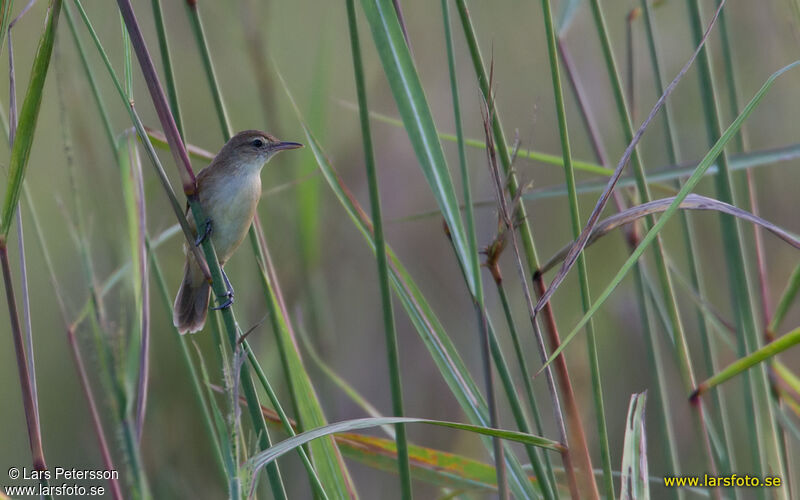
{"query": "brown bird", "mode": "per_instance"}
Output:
(228, 190)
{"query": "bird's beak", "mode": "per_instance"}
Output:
(286, 145)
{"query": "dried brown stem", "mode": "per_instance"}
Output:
(31, 419)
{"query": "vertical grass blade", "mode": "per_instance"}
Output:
(635, 477)
(20, 153)
(589, 485)
(28, 116)
(392, 354)
(413, 107)
(166, 60)
(327, 460)
(762, 431)
(728, 464)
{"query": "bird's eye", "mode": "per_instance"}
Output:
(258, 143)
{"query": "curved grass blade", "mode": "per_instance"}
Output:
(630, 151)
(634, 453)
(768, 351)
(690, 184)
(692, 202)
(430, 465)
(263, 458)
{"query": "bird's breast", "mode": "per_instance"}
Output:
(231, 203)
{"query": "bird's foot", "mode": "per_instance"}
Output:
(207, 228)
(227, 298)
(226, 304)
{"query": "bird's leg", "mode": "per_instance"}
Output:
(228, 294)
(201, 237)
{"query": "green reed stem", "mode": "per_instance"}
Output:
(590, 485)
(392, 354)
(547, 478)
(681, 346)
(689, 239)
(166, 60)
(572, 412)
(208, 65)
(762, 432)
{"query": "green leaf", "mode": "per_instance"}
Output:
(325, 456)
(768, 351)
(634, 452)
(440, 468)
(416, 114)
(28, 115)
(265, 457)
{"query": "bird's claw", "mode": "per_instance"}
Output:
(228, 302)
(228, 296)
(207, 228)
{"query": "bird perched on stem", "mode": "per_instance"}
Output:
(228, 190)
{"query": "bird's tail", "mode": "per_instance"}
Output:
(191, 304)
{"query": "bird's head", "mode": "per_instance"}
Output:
(251, 149)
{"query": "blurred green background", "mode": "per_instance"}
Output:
(326, 271)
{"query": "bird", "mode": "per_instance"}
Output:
(228, 190)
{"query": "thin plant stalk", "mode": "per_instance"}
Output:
(208, 66)
(548, 475)
(676, 323)
(579, 446)
(506, 220)
(23, 269)
(166, 60)
(589, 484)
(20, 154)
(673, 152)
(392, 354)
(632, 240)
(763, 435)
(31, 418)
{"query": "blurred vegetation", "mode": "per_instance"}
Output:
(312, 299)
